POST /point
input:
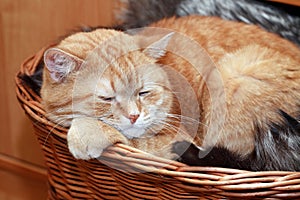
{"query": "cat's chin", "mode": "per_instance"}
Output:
(131, 133)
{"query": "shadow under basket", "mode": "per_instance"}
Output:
(124, 172)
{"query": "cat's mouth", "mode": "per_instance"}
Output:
(139, 131)
(133, 132)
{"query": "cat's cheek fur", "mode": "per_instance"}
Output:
(87, 138)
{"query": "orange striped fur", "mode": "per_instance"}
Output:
(110, 87)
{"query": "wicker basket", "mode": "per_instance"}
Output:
(128, 173)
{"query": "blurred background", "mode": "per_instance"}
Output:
(25, 27)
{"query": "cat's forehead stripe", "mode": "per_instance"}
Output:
(132, 74)
(117, 74)
(115, 79)
(112, 84)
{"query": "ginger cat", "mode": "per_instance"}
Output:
(227, 88)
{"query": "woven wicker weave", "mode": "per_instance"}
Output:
(141, 176)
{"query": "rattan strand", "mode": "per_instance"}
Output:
(124, 172)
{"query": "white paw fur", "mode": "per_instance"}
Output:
(87, 138)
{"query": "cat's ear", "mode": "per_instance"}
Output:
(158, 49)
(60, 63)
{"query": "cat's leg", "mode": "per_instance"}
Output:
(88, 137)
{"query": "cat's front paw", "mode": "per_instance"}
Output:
(87, 138)
(85, 143)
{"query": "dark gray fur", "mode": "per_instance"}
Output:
(140, 13)
(265, 14)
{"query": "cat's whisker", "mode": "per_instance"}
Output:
(189, 119)
(165, 123)
(150, 132)
(180, 118)
(66, 114)
(173, 129)
(50, 131)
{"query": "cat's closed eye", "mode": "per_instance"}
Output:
(144, 93)
(106, 99)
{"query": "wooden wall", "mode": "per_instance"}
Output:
(25, 27)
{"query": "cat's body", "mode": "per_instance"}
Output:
(133, 101)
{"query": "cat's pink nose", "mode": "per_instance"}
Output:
(133, 118)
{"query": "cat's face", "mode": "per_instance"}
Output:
(133, 97)
(129, 92)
